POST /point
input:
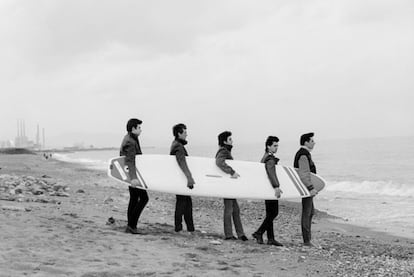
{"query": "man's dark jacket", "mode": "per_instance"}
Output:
(130, 148)
(270, 162)
(178, 150)
(223, 154)
(304, 152)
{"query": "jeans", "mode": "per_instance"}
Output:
(138, 198)
(231, 210)
(272, 210)
(307, 213)
(183, 207)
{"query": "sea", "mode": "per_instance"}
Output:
(370, 181)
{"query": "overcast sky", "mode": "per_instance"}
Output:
(80, 69)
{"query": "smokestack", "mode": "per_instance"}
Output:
(37, 135)
(18, 126)
(21, 128)
(21, 131)
(43, 130)
(24, 129)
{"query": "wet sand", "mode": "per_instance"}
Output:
(70, 235)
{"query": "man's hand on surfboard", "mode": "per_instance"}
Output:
(278, 192)
(135, 183)
(190, 183)
(235, 175)
(313, 192)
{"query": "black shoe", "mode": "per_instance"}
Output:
(243, 238)
(231, 238)
(258, 238)
(274, 242)
(132, 230)
(308, 244)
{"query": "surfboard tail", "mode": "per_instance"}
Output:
(121, 173)
(294, 177)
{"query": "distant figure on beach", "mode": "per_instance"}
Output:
(303, 161)
(183, 205)
(138, 198)
(231, 207)
(272, 206)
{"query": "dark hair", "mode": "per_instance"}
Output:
(132, 123)
(270, 140)
(178, 129)
(222, 137)
(306, 137)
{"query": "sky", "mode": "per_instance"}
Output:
(81, 68)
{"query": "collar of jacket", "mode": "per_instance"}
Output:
(273, 155)
(306, 148)
(133, 136)
(228, 147)
(182, 141)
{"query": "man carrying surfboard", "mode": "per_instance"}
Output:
(303, 161)
(231, 207)
(138, 198)
(272, 206)
(183, 205)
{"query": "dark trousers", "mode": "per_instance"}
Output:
(138, 198)
(232, 211)
(272, 210)
(307, 213)
(183, 207)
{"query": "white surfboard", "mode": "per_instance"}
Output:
(162, 173)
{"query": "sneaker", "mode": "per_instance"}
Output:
(258, 238)
(274, 242)
(243, 238)
(131, 230)
(231, 238)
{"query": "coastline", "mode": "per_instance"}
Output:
(73, 238)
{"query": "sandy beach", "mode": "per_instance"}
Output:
(75, 227)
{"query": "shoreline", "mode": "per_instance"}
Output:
(74, 238)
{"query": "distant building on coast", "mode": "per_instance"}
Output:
(6, 144)
(22, 141)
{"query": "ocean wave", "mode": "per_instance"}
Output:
(91, 163)
(388, 188)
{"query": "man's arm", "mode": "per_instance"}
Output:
(304, 172)
(182, 163)
(271, 173)
(270, 166)
(221, 163)
(130, 153)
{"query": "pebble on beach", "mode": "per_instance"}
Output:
(15, 188)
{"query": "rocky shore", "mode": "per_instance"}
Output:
(59, 219)
(21, 188)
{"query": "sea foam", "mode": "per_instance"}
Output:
(90, 163)
(387, 188)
